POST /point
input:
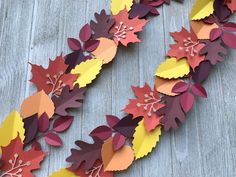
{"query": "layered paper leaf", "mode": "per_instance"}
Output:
(18, 162)
(202, 9)
(165, 86)
(118, 160)
(87, 71)
(10, 128)
(202, 72)
(53, 139)
(102, 132)
(173, 68)
(144, 141)
(118, 5)
(38, 103)
(31, 128)
(61, 124)
(63, 172)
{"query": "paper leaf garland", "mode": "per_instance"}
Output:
(144, 141)
(124, 156)
(87, 71)
(202, 9)
(10, 128)
(173, 68)
(118, 5)
(63, 172)
(38, 103)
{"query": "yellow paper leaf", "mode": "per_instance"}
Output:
(202, 9)
(10, 128)
(144, 141)
(173, 68)
(63, 173)
(87, 71)
(118, 5)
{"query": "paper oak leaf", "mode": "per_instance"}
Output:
(145, 105)
(10, 128)
(68, 99)
(38, 103)
(63, 172)
(124, 29)
(170, 112)
(88, 154)
(144, 141)
(202, 9)
(118, 5)
(87, 70)
(173, 68)
(187, 46)
(118, 160)
(18, 162)
(53, 78)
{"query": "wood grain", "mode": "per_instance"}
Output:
(35, 30)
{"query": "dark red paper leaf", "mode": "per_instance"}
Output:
(215, 34)
(74, 44)
(88, 154)
(199, 90)
(186, 101)
(91, 45)
(53, 139)
(31, 128)
(221, 11)
(36, 146)
(201, 72)
(68, 99)
(62, 123)
(43, 123)
(140, 10)
(85, 33)
(118, 141)
(112, 120)
(102, 132)
(180, 87)
(230, 27)
(229, 39)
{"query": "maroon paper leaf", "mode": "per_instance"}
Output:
(74, 59)
(229, 39)
(180, 87)
(221, 11)
(68, 99)
(186, 101)
(103, 25)
(88, 153)
(171, 112)
(31, 128)
(102, 132)
(43, 123)
(199, 90)
(201, 72)
(53, 139)
(91, 45)
(112, 120)
(85, 33)
(74, 44)
(62, 123)
(141, 10)
(230, 27)
(118, 141)
(36, 146)
(215, 34)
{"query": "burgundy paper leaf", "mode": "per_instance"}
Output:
(230, 26)
(229, 39)
(140, 10)
(53, 139)
(85, 33)
(31, 128)
(88, 153)
(62, 123)
(180, 87)
(36, 146)
(43, 123)
(201, 72)
(91, 45)
(171, 112)
(118, 141)
(221, 11)
(126, 126)
(199, 90)
(102, 132)
(68, 99)
(186, 101)
(215, 34)
(112, 120)
(74, 44)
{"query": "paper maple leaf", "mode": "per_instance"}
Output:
(52, 79)
(17, 162)
(146, 104)
(124, 29)
(187, 45)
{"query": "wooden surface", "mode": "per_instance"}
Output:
(35, 30)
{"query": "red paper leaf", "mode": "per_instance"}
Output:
(15, 158)
(186, 101)
(62, 123)
(53, 139)
(91, 45)
(85, 33)
(229, 39)
(180, 87)
(102, 132)
(215, 34)
(230, 26)
(199, 90)
(43, 123)
(74, 44)
(118, 141)
(112, 120)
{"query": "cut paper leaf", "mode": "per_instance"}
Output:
(91, 45)
(10, 128)
(68, 99)
(87, 71)
(43, 123)
(63, 173)
(118, 141)
(53, 139)
(215, 34)
(173, 68)
(202, 72)
(102, 132)
(74, 44)
(180, 87)
(229, 40)
(31, 128)
(202, 9)
(144, 141)
(186, 101)
(231, 5)
(124, 157)
(221, 11)
(112, 120)
(38, 103)
(165, 86)
(18, 162)
(199, 90)
(61, 124)
(118, 5)
(106, 50)
(85, 33)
